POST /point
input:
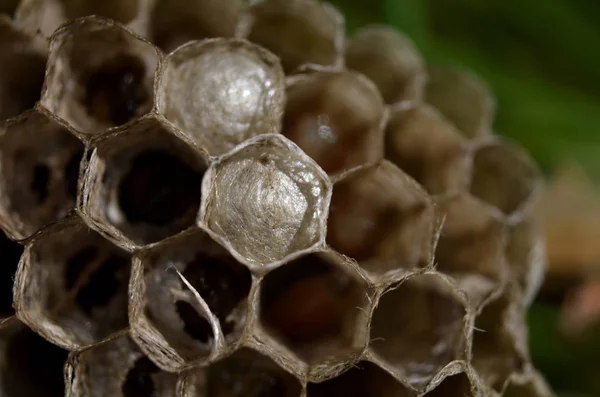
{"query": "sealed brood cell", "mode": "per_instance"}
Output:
(526, 256)
(390, 60)
(142, 183)
(419, 326)
(39, 167)
(298, 31)
(72, 285)
(382, 218)
(46, 16)
(336, 118)
(318, 307)
(266, 201)
(423, 143)
(245, 373)
(9, 261)
(100, 75)
(505, 177)
(463, 98)
(188, 300)
(221, 92)
(472, 245)
(173, 23)
(29, 365)
(116, 367)
(500, 339)
(365, 379)
(22, 65)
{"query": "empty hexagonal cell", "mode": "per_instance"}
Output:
(316, 307)
(530, 384)
(142, 184)
(462, 97)
(100, 75)
(472, 245)
(173, 23)
(365, 379)
(39, 167)
(117, 367)
(526, 256)
(237, 86)
(266, 201)
(424, 144)
(419, 326)
(298, 31)
(47, 15)
(504, 176)
(382, 218)
(245, 373)
(459, 385)
(336, 118)
(500, 339)
(80, 280)
(168, 313)
(22, 65)
(390, 59)
(9, 261)
(29, 365)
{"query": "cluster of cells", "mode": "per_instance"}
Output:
(214, 198)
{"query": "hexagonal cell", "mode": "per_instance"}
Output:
(423, 143)
(173, 23)
(530, 384)
(419, 326)
(39, 167)
(100, 75)
(365, 379)
(142, 184)
(526, 256)
(117, 367)
(266, 201)
(462, 97)
(458, 385)
(81, 285)
(9, 261)
(390, 59)
(47, 15)
(472, 245)
(22, 65)
(245, 373)
(336, 118)
(317, 307)
(383, 219)
(238, 85)
(298, 31)
(29, 365)
(505, 177)
(179, 317)
(500, 339)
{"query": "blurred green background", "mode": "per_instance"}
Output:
(542, 59)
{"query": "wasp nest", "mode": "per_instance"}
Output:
(270, 209)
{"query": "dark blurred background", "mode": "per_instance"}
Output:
(542, 59)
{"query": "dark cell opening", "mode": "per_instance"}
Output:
(23, 77)
(303, 301)
(159, 189)
(35, 367)
(196, 326)
(248, 375)
(115, 92)
(10, 254)
(39, 182)
(138, 382)
(71, 174)
(103, 282)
